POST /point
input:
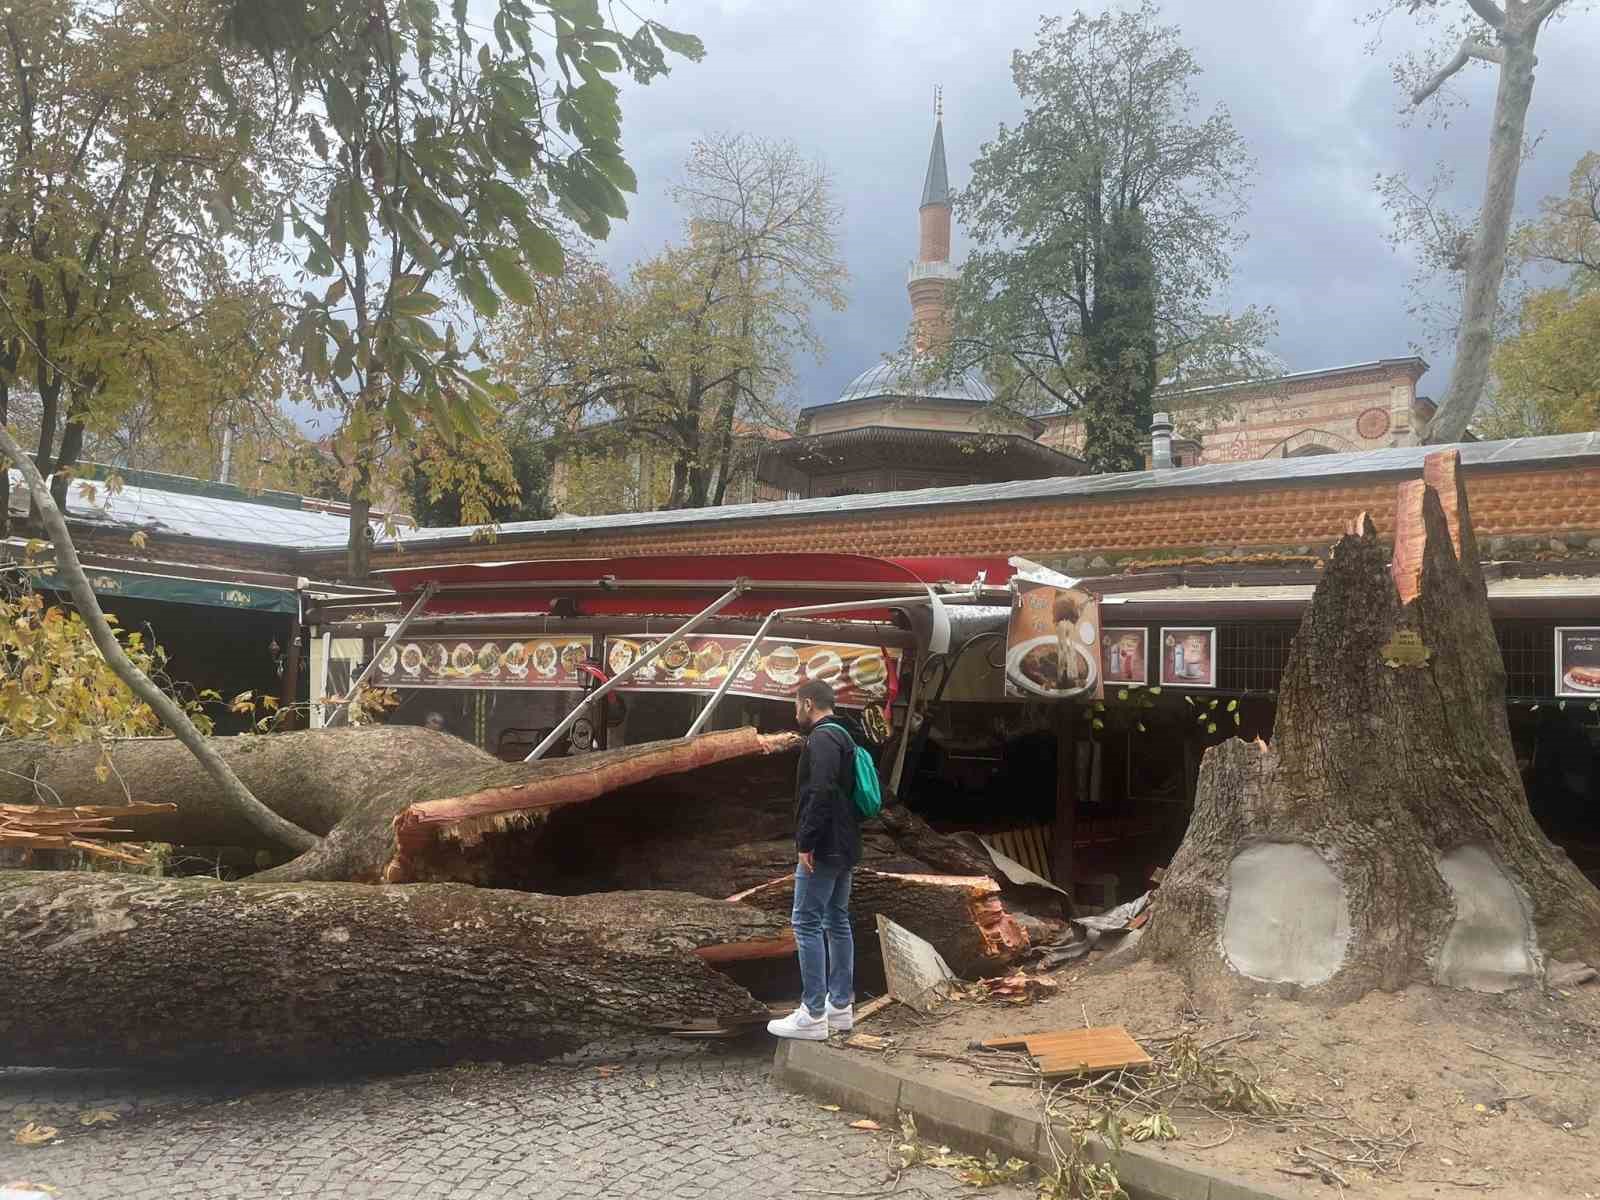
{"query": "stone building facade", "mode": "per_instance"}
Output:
(1339, 410)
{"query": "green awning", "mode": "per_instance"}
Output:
(212, 593)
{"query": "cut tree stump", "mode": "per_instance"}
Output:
(962, 917)
(124, 970)
(1383, 838)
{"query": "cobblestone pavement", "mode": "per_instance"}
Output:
(668, 1121)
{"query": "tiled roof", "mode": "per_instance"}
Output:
(1321, 468)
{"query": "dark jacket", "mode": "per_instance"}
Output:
(825, 819)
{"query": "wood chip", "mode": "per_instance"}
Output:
(865, 1041)
(872, 1008)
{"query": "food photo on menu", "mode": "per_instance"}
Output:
(1578, 661)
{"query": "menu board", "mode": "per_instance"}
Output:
(859, 675)
(1053, 640)
(1189, 656)
(1578, 661)
(544, 662)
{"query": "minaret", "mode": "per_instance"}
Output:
(932, 278)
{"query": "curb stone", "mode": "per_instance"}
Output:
(949, 1116)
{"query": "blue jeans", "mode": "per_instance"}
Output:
(822, 934)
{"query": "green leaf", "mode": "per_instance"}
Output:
(685, 44)
(605, 58)
(1155, 691)
(482, 297)
(542, 250)
(1098, 723)
(1211, 727)
(616, 169)
(342, 109)
(509, 275)
(1232, 704)
(1122, 694)
(417, 304)
(1236, 719)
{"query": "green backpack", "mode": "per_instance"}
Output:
(865, 789)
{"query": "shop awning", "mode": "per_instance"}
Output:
(173, 589)
(684, 584)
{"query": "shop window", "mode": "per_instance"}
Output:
(1528, 649)
(1252, 658)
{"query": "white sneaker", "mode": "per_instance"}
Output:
(800, 1024)
(840, 1020)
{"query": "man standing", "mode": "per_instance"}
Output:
(828, 838)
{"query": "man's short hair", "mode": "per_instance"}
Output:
(819, 693)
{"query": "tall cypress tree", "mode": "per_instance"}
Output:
(1120, 348)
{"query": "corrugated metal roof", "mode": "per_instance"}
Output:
(1312, 469)
(186, 514)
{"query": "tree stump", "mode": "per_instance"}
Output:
(1384, 837)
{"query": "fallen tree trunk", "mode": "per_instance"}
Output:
(961, 916)
(124, 970)
(1383, 838)
(710, 815)
(349, 785)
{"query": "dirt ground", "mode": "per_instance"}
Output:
(1473, 1094)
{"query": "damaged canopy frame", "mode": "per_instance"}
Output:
(764, 588)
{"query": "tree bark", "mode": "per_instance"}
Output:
(232, 792)
(713, 824)
(120, 970)
(961, 916)
(1486, 265)
(1383, 838)
(552, 826)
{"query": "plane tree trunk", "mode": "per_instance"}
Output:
(135, 971)
(1383, 838)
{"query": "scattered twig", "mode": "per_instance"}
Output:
(1513, 1062)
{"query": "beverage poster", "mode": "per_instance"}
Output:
(859, 675)
(1053, 640)
(1578, 661)
(1124, 655)
(1189, 656)
(543, 662)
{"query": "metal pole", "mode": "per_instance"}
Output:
(372, 664)
(905, 734)
(622, 676)
(804, 610)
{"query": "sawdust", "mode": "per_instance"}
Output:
(1502, 1091)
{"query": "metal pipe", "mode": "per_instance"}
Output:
(623, 675)
(372, 663)
(803, 610)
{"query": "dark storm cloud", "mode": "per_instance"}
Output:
(851, 81)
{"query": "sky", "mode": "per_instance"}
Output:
(851, 82)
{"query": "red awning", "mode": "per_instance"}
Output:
(670, 585)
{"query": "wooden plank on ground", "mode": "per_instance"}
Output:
(1075, 1051)
(873, 1007)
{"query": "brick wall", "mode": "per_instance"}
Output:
(1525, 502)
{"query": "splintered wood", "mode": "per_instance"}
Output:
(1077, 1051)
(47, 827)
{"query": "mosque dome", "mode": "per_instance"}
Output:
(901, 380)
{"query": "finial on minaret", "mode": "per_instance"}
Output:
(938, 102)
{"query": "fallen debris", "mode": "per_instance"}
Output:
(866, 1041)
(961, 916)
(872, 1008)
(1077, 1051)
(1569, 974)
(1020, 988)
(53, 827)
(917, 976)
